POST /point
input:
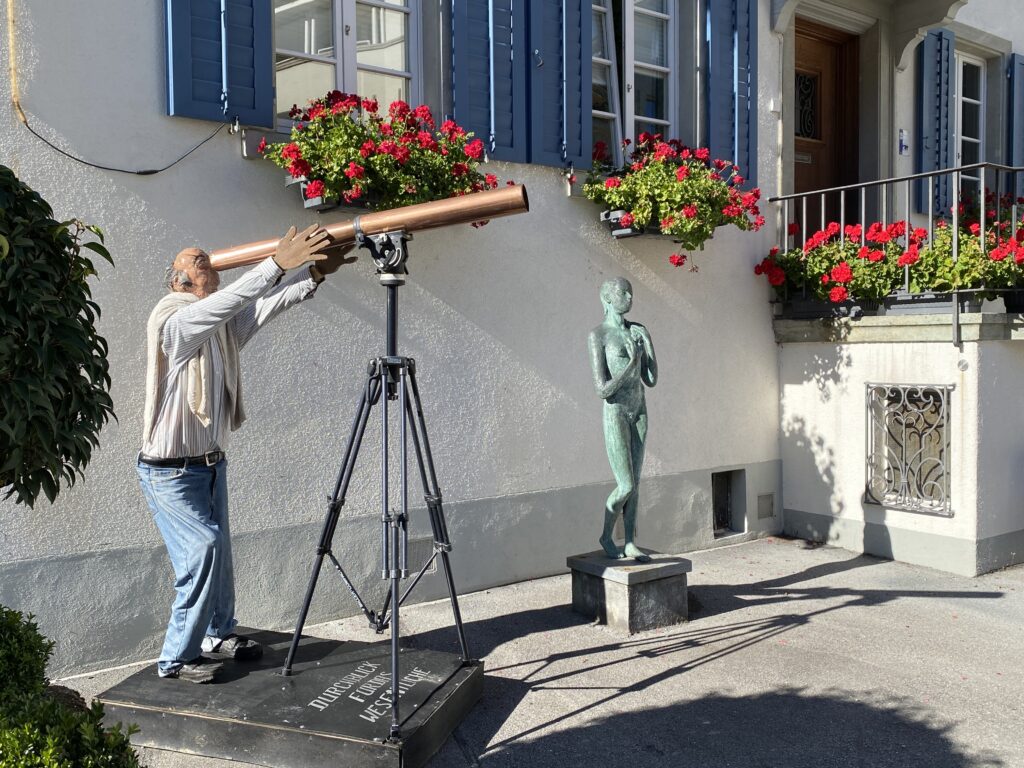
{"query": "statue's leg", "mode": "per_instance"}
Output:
(617, 441)
(638, 440)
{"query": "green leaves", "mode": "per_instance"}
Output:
(54, 377)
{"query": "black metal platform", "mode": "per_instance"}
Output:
(335, 709)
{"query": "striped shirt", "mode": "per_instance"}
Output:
(249, 303)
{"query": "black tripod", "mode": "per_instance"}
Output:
(389, 378)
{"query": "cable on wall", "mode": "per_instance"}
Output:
(16, 100)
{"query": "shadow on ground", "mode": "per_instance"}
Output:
(784, 729)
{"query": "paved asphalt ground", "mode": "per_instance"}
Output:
(799, 656)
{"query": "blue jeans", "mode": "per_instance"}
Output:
(190, 507)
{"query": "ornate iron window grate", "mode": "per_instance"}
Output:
(908, 451)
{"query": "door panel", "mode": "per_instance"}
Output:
(825, 117)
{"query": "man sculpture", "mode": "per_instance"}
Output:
(623, 362)
(193, 403)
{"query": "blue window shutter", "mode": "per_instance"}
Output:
(732, 83)
(561, 127)
(721, 129)
(201, 83)
(935, 123)
(745, 155)
(489, 48)
(1015, 150)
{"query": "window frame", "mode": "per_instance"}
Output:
(345, 60)
(686, 36)
(960, 59)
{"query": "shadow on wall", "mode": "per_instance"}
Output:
(810, 456)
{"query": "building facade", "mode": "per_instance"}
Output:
(497, 317)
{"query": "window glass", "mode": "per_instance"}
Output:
(651, 40)
(299, 80)
(384, 88)
(970, 153)
(604, 130)
(650, 95)
(304, 26)
(601, 94)
(653, 5)
(381, 37)
(972, 81)
(972, 121)
(597, 45)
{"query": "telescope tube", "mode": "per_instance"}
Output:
(476, 206)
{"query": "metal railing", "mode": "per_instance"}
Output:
(942, 192)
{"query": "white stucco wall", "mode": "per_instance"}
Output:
(1001, 451)
(497, 319)
(822, 393)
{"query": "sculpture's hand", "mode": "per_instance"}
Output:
(640, 335)
(296, 249)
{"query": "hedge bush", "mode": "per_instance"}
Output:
(37, 730)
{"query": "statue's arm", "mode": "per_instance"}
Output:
(605, 384)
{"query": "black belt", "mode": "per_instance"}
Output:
(207, 459)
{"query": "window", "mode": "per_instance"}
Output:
(908, 452)
(970, 118)
(375, 58)
(639, 48)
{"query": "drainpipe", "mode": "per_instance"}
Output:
(12, 59)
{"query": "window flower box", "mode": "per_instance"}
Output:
(665, 188)
(344, 151)
(905, 303)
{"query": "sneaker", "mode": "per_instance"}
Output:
(237, 647)
(199, 670)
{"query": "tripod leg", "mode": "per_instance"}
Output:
(333, 512)
(421, 443)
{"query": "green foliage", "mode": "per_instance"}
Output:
(40, 732)
(54, 381)
(348, 151)
(23, 654)
(685, 193)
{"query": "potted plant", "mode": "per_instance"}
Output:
(669, 189)
(344, 149)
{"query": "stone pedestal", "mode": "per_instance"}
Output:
(627, 595)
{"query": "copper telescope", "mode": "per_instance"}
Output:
(477, 206)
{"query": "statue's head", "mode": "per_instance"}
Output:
(617, 295)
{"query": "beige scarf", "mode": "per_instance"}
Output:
(198, 367)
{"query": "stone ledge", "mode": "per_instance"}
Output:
(627, 571)
(974, 326)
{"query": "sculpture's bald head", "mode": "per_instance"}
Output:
(617, 294)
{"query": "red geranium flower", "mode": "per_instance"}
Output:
(838, 294)
(314, 189)
(793, 228)
(626, 220)
(263, 145)
(682, 172)
(613, 182)
(291, 151)
(299, 168)
(355, 171)
(841, 272)
(475, 149)
(690, 211)
(702, 154)
(460, 169)
(677, 260)
(600, 153)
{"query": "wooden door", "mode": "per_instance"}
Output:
(825, 149)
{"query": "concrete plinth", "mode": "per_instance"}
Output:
(627, 595)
